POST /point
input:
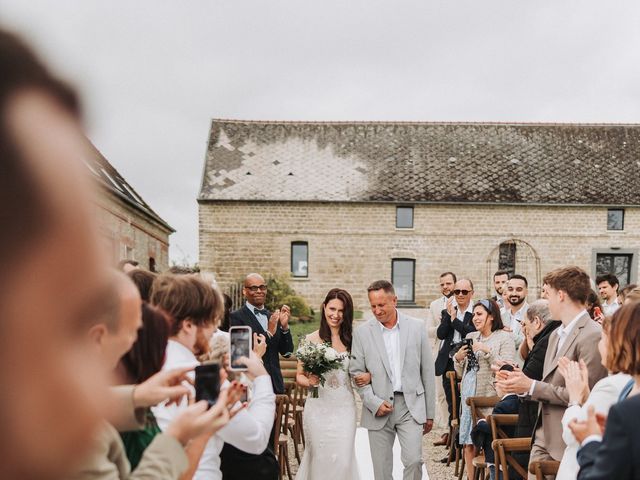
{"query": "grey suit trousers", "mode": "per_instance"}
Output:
(409, 433)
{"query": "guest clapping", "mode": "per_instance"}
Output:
(617, 455)
(605, 393)
(489, 344)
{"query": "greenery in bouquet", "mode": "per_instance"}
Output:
(318, 359)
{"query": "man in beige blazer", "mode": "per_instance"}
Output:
(434, 315)
(577, 338)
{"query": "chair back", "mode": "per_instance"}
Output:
(282, 412)
(544, 467)
(453, 379)
(497, 421)
(289, 368)
(477, 403)
(503, 449)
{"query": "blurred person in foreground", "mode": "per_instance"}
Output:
(195, 308)
(110, 338)
(54, 281)
(617, 454)
(604, 394)
(143, 360)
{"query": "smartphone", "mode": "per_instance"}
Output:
(597, 312)
(468, 342)
(507, 366)
(239, 346)
(208, 382)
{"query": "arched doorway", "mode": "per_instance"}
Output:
(515, 256)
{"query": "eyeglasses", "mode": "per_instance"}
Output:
(462, 292)
(255, 288)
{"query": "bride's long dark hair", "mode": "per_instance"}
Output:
(346, 327)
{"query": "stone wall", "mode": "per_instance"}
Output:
(129, 234)
(352, 244)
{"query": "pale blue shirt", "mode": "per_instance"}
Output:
(262, 319)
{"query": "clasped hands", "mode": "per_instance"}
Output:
(511, 381)
(282, 316)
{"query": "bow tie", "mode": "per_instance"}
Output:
(264, 311)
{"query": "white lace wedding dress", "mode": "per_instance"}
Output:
(330, 429)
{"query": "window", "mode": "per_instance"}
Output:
(618, 264)
(615, 219)
(507, 257)
(403, 273)
(152, 264)
(404, 217)
(300, 259)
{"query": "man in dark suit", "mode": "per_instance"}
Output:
(455, 323)
(617, 455)
(538, 327)
(236, 464)
(274, 326)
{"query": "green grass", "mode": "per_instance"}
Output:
(299, 328)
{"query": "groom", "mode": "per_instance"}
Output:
(400, 399)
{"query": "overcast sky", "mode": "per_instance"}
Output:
(153, 73)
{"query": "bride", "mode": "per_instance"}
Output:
(330, 420)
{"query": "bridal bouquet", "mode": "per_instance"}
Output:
(318, 359)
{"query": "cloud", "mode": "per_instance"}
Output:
(154, 73)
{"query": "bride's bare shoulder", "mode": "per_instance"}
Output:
(314, 337)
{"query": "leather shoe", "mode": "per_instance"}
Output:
(445, 459)
(444, 440)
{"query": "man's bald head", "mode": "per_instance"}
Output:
(127, 294)
(255, 289)
(253, 277)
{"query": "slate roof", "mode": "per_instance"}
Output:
(581, 164)
(109, 178)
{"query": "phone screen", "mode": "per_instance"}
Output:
(208, 382)
(240, 339)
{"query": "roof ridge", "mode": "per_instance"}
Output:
(423, 122)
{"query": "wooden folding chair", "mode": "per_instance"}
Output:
(454, 447)
(475, 404)
(503, 449)
(289, 369)
(281, 437)
(542, 468)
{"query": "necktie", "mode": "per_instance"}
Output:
(264, 311)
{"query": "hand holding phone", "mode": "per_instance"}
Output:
(239, 347)
(208, 382)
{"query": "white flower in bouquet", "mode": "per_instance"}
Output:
(330, 354)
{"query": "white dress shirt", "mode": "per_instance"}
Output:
(249, 430)
(610, 308)
(391, 337)
(262, 319)
(563, 333)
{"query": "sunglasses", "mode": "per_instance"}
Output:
(255, 288)
(462, 292)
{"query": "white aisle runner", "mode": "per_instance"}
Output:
(363, 457)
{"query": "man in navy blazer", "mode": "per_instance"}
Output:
(455, 323)
(274, 326)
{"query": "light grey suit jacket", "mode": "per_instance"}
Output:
(418, 380)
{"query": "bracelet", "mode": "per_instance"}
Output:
(285, 331)
(573, 404)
